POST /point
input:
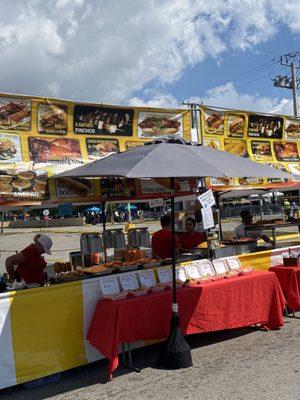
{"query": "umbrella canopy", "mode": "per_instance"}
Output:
(164, 160)
(122, 207)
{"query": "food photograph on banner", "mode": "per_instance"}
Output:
(15, 113)
(75, 187)
(52, 119)
(131, 144)
(158, 124)
(103, 120)
(23, 184)
(98, 148)
(280, 167)
(214, 143)
(51, 150)
(237, 147)
(292, 129)
(236, 125)
(10, 148)
(214, 122)
(264, 126)
(261, 150)
(117, 188)
(286, 151)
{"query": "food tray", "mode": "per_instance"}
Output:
(100, 273)
(238, 242)
(231, 276)
(139, 293)
(157, 289)
(118, 296)
(151, 265)
(125, 268)
(246, 271)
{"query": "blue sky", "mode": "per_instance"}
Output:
(155, 53)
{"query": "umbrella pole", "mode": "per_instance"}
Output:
(103, 229)
(176, 352)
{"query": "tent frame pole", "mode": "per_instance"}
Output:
(172, 191)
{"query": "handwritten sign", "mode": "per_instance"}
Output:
(193, 271)
(147, 278)
(129, 281)
(206, 268)
(220, 266)
(207, 199)
(233, 263)
(207, 218)
(164, 274)
(180, 274)
(109, 285)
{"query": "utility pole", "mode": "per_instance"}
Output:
(292, 61)
(194, 116)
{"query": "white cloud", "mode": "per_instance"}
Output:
(108, 50)
(228, 96)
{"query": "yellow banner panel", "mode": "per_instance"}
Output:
(47, 330)
(260, 260)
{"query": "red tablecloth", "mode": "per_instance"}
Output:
(225, 304)
(289, 279)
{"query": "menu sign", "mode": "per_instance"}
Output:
(131, 144)
(54, 150)
(214, 143)
(193, 271)
(53, 119)
(10, 148)
(15, 113)
(103, 120)
(129, 281)
(109, 285)
(287, 151)
(147, 278)
(74, 187)
(237, 147)
(180, 274)
(99, 148)
(265, 126)
(164, 274)
(117, 188)
(214, 122)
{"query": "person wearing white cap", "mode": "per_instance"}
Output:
(30, 263)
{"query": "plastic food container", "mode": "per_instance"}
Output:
(117, 296)
(140, 292)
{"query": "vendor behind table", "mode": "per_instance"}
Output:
(240, 231)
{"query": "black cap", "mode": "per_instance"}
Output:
(246, 213)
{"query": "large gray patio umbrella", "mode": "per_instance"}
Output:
(172, 159)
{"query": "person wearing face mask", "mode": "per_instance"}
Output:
(29, 265)
(190, 238)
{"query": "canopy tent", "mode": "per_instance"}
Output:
(173, 159)
(93, 209)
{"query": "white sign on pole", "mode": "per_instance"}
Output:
(46, 213)
(156, 203)
(207, 199)
(109, 285)
(129, 281)
(207, 217)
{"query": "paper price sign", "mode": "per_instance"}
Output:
(109, 285)
(147, 278)
(233, 263)
(220, 266)
(180, 274)
(193, 272)
(207, 199)
(129, 281)
(206, 268)
(207, 218)
(156, 203)
(164, 274)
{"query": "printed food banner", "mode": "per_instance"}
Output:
(40, 137)
(269, 139)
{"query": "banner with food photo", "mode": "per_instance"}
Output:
(280, 167)
(131, 144)
(261, 150)
(157, 124)
(53, 150)
(117, 188)
(237, 147)
(52, 118)
(220, 182)
(265, 126)
(23, 184)
(15, 113)
(98, 148)
(214, 143)
(213, 121)
(250, 181)
(292, 129)
(10, 148)
(74, 187)
(295, 170)
(236, 125)
(286, 151)
(103, 120)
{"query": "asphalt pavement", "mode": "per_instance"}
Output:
(244, 364)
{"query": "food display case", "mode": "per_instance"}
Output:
(91, 248)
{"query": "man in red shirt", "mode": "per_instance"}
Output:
(162, 240)
(30, 264)
(190, 239)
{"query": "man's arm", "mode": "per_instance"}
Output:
(11, 262)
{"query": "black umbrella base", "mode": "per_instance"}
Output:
(176, 352)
